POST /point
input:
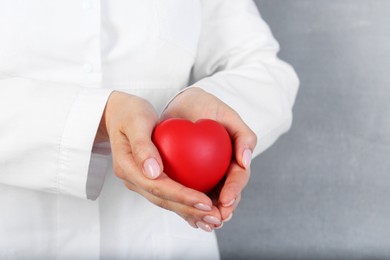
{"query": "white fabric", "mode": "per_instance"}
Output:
(59, 62)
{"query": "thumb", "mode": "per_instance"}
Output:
(146, 156)
(130, 121)
(244, 146)
(152, 168)
(244, 140)
(143, 150)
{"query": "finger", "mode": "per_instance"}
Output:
(227, 212)
(167, 189)
(163, 187)
(121, 156)
(244, 139)
(195, 217)
(139, 130)
(236, 180)
(192, 224)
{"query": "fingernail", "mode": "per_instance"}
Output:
(204, 226)
(228, 218)
(246, 158)
(220, 226)
(202, 206)
(212, 220)
(230, 203)
(151, 168)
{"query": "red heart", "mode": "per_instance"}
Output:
(196, 155)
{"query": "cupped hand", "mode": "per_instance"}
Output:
(194, 104)
(127, 123)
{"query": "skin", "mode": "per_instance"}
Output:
(128, 122)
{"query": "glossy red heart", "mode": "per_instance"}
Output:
(196, 155)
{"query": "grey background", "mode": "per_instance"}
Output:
(322, 191)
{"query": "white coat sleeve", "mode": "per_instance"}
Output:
(47, 131)
(237, 62)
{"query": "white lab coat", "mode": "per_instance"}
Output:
(59, 61)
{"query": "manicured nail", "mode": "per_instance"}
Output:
(228, 218)
(204, 226)
(151, 168)
(220, 226)
(230, 203)
(246, 158)
(212, 220)
(202, 206)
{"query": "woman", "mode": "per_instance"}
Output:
(82, 87)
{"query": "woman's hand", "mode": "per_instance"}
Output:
(128, 122)
(195, 103)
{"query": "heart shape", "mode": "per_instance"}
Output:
(196, 155)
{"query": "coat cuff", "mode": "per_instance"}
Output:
(75, 162)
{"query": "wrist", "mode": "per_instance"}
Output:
(102, 134)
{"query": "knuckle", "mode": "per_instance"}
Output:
(188, 216)
(118, 170)
(155, 191)
(130, 186)
(139, 145)
(141, 148)
(183, 199)
(252, 138)
(162, 203)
